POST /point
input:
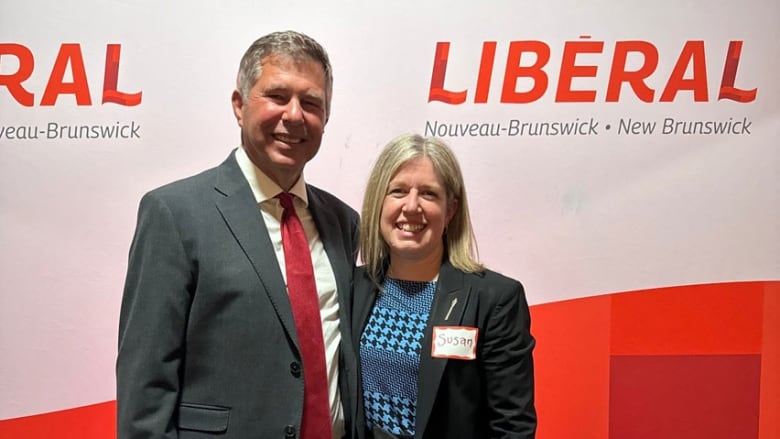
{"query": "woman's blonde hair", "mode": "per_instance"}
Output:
(460, 245)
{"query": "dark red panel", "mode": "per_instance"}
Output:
(684, 397)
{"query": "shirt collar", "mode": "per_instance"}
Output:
(263, 188)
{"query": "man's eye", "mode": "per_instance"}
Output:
(315, 105)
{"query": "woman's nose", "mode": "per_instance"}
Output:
(411, 205)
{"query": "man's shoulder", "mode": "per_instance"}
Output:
(204, 179)
(183, 183)
(320, 198)
(190, 193)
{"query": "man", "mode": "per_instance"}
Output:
(210, 341)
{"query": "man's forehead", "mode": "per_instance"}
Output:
(290, 62)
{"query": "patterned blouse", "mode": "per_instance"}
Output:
(390, 354)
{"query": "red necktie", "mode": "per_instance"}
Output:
(305, 303)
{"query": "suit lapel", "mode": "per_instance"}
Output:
(332, 238)
(449, 303)
(238, 208)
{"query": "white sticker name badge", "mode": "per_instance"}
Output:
(458, 342)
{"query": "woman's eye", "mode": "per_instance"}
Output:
(395, 191)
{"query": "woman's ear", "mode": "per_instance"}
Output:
(451, 209)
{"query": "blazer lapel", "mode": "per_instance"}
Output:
(449, 303)
(239, 209)
(363, 298)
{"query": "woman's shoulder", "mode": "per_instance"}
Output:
(494, 286)
(360, 271)
(491, 277)
(361, 277)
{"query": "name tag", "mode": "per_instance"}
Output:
(458, 342)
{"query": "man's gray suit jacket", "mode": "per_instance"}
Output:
(207, 343)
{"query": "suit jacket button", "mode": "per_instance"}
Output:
(289, 431)
(295, 369)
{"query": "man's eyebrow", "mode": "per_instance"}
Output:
(313, 95)
(272, 87)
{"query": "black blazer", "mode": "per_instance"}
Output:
(489, 397)
(207, 342)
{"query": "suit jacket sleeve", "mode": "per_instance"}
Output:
(508, 366)
(152, 325)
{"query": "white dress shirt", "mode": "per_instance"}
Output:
(265, 190)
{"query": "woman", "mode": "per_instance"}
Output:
(445, 344)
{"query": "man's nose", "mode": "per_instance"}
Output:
(293, 111)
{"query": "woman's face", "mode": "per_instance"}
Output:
(415, 212)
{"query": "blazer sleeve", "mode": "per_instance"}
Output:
(508, 365)
(152, 325)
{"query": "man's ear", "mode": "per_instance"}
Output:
(238, 107)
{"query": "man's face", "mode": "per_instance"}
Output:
(283, 117)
